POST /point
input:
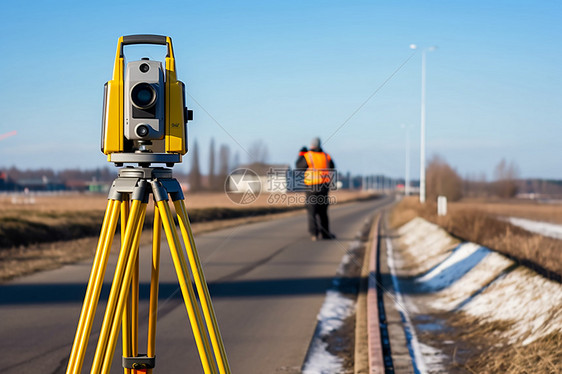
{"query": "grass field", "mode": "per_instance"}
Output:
(32, 219)
(46, 231)
(514, 208)
(477, 221)
(80, 202)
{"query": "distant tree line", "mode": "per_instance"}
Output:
(442, 179)
(15, 179)
(221, 163)
(100, 174)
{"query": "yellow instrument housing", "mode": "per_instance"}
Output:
(113, 140)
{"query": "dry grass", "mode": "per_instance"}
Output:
(79, 202)
(514, 208)
(31, 227)
(481, 347)
(406, 210)
(484, 351)
(63, 229)
(26, 260)
(477, 222)
(541, 356)
(73, 216)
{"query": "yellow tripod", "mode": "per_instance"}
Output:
(129, 197)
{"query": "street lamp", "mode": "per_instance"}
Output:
(422, 135)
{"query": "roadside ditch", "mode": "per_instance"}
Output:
(475, 310)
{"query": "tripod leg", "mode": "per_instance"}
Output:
(119, 290)
(202, 289)
(130, 313)
(199, 333)
(155, 274)
(131, 268)
(135, 302)
(126, 333)
(94, 287)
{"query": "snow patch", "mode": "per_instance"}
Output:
(480, 276)
(543, 228)
(460, 262)
(335, 309)
(484, 284)
(427, 243)
(321, 361)
(433, 358)
(532, 303)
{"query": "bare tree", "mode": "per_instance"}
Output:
(258, 152)
(475, 185)
(506, 174)
(236, 161)
(224, 158)
(212, 183)
(195, 172)
(442, 180)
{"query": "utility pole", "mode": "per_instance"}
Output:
(422, 130)
(407, 177)
(422, 135)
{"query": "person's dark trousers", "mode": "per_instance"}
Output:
(317, 208)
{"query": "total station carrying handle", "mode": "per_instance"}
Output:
(146, 39)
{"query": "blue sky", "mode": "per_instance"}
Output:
(286, 71)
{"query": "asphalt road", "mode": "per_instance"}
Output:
(267, 282)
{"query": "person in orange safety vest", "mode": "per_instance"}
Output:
(319, 172)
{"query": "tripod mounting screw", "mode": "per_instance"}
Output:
(140, 362)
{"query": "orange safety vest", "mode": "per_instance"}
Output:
(318, 171)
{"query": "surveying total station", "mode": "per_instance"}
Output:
(144, 123)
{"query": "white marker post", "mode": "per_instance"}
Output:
(441, 205)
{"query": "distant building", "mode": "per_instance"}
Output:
(76, 185)
(39, 184)
(98, 187)
(6, 184)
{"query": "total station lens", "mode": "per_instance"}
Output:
(143, 96)
(142, 131)
(144, 68)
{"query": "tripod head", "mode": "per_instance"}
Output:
(144, 113)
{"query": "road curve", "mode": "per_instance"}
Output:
(267, 282)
